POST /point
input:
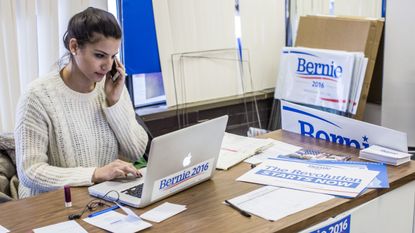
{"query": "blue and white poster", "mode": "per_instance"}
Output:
(321, 77)
(338, 129)
(380, 181)
(313, 177)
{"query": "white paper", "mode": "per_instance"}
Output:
(236, 148)
(115, 222)
(273, 203)
(64, 227)
(320, 178)
(385, 152)
(277, 148)
(163, 212)
(387, 160)
(357, 83)
(3, 229)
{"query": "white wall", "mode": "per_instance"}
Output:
(398, 110)
(263, 35)
(184, 26)
(200, 26)
(373, 114)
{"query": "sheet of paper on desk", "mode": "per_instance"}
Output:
(163, 212)
(277, 148)
(3, 229)
(64, 227)
(320, 178)
(236, 148)
(273, 203)
(115, 222)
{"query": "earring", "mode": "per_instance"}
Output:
(74, 53)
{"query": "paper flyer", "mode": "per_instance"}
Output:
(320, 178)
(380, 181)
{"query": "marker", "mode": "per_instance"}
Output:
(67, 191)
(243, 212)
(114, 207)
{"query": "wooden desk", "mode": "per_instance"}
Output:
(205, 210)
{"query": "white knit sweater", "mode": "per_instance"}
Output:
(62, 135)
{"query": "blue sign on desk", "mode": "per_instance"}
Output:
(341, 226)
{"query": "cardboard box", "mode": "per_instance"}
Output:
(353, 34)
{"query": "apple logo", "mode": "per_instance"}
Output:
(187, 159)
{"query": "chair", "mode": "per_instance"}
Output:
(8, 177)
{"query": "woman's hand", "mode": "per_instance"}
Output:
(115, 169)
(113, 89)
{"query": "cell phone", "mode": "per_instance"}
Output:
(114, 72)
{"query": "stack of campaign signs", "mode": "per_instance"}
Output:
(326, 78)
(340, 178)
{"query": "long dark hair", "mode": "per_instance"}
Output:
(87, 24)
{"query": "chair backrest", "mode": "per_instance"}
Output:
(8, 177)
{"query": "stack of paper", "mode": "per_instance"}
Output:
(314, 177)
(236, 148)
(359, 71)
(384, 155)
(380, 181)
(325, 78)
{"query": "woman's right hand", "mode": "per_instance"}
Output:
(113, 89)
(115, 169)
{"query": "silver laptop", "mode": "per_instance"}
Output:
(177, 161)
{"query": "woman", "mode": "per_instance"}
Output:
(73, 125)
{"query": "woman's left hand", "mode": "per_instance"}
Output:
(113, 89)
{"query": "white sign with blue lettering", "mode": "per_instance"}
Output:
(318, 77)
(182, 179)
(338, 129)
(319, 178)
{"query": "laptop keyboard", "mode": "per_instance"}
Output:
(135, 191)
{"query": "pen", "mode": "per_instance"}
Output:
(243, 212)
(114, 207)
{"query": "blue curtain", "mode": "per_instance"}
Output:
(140, 41)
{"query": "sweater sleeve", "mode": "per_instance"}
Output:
(32, 140)
(132, 138)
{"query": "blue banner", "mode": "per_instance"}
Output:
(341, 226)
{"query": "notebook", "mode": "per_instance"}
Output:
(177, 161)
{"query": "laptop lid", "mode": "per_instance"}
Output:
(177, 161)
